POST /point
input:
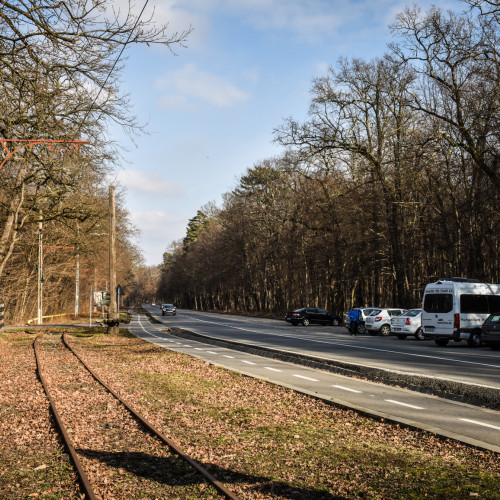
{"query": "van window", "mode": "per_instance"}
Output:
(479, 304)
(470, 303)
(494, 303)
(438, 302)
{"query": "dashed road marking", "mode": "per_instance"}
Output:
(248, 362)
(480, 423)
(230, 357)
(212, 352)
(346, 388)
(272, 369)
(404, 404)
(306, 378)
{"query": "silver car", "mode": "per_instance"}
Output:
(167, 309)
(409, 323)
(379, 321)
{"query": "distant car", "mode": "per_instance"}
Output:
(307, 315)
(379, 320)
(364, 313)
(167, 309)
(491, 331)
(409, 323)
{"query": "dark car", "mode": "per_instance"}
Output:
(491, 331)
(307, 315)
(168, 309)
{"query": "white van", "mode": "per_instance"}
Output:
(456, 308)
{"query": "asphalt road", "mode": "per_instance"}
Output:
(471, 424)
(457, 361)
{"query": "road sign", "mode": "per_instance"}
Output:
(119, 291)
(102, 299)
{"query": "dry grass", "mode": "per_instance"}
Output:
(263, 441)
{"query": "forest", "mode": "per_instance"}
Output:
(60, 66)
(392, 182)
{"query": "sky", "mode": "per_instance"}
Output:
(210, 108)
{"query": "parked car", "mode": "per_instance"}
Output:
(167, 309)
(364, 313)
(379, 320)
(409, 323)
(307, 315)
(491, 331)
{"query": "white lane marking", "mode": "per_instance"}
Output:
(404, 404)
(272, 369)
(336, 343)
(346, 388)
(186, 345)
(248, 362)
(480, 423)
(212, 352)
(230, 357)
(306, 378)
(198, 349)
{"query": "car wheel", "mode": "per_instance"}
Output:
(334, 322)
(305, 322)
(361, 329)
(441, 342)
(401, 336)
(385, 330)
(419, 334)
(475, 340)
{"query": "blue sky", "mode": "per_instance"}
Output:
(211, 108)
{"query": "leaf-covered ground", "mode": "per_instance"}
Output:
(261, 440)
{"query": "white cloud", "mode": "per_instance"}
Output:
(188, 87)
(150, 183)
(157, 231)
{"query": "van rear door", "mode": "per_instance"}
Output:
(438, 316)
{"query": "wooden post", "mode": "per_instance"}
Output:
(2, 311)
(113, 318)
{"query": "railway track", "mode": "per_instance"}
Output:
(105, 436)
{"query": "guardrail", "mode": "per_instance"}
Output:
(51, 316)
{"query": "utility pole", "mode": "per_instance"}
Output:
(113, 314)
(40, 270)
(77, 291)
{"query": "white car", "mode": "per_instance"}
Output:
(379, 321)
(409, 323)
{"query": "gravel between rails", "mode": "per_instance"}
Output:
(120, 458)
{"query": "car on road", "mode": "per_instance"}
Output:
(168, 309)
(308, 315)
(409, 323)
(379, 320)
(491, 331)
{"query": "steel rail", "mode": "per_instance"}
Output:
(85, 483)
(169, 442)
